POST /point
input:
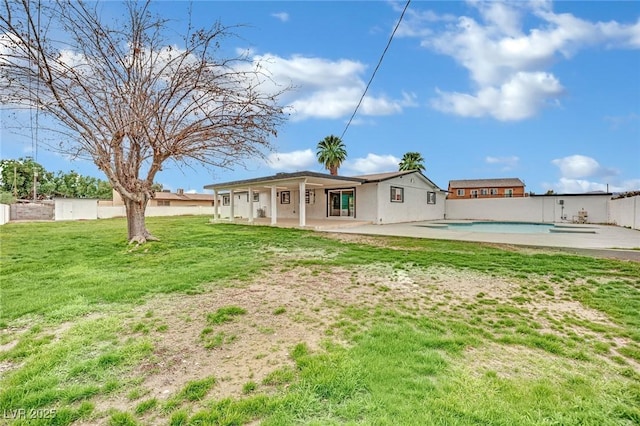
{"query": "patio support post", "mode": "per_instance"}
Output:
(274, 207)
(216, 205)
(250, 205)
(231, 206)
(303, 205)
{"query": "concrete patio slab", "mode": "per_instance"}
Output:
(602, 240)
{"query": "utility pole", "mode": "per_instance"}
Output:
(15, 181)
(35, 186)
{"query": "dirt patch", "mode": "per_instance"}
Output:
(359, 239)
(308, 305)
(300, 307)
(303, 305)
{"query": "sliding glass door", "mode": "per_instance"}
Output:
(342, 203)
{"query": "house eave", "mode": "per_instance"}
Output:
(287, 180)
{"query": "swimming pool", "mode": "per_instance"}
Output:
(500, 227)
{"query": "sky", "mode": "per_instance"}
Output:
(548, 92)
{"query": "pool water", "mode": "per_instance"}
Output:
(502, 227)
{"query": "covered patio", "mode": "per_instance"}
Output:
(280, 188)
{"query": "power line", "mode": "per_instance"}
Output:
(406, 6)
(38, 85)
(34, 126)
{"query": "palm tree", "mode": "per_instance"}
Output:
(412, 161)
(331, 153)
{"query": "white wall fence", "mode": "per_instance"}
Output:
(75, 209)
(549, 209)
(5, 213)
(558, 208)
(625, 212)
(107, 212)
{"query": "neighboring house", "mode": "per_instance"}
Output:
(169, 199)
(485, 188)
(181, 199)
(381, 198)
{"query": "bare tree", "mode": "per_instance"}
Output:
(129, 100)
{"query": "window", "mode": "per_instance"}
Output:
(285, 197)
(474, 193)
(226, 200)
(484, 191)
(460, 192)
(397, 194)
(164, 203)
(508, 193)
(431, 197)
(256, 197)
(309, 196)
(493, 191)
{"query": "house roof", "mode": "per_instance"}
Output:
(313, 178)
(485, 183)
(288, 179)
(169, 196)
(378, 177)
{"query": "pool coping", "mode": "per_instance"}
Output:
(570, 228)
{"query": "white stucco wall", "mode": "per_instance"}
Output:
(625, 212)
(107, 212)
(414, 207)
(367, 202)
(179, 211)
(75, 209)
(315, 209)
(241, 205)
(317, 206)
(5, 213)
(531, 209)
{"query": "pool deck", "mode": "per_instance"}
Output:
(588, 239)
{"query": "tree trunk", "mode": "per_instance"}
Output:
(136, 226)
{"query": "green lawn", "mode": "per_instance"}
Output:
(450, 333)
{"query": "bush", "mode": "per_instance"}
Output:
(7, 198)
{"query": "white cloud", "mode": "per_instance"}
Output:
(282, 16)
(619, 121)
(577, 186)
(580, 166)
(580, 173)
(508, 61)
(416, 23)
(324, 88)
(519, 98)
(507, 163)
(291, 161)
(372, 163)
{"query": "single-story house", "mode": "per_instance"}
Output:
(169, 199)
(393, 197)
(181, 199)
(486, 188)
